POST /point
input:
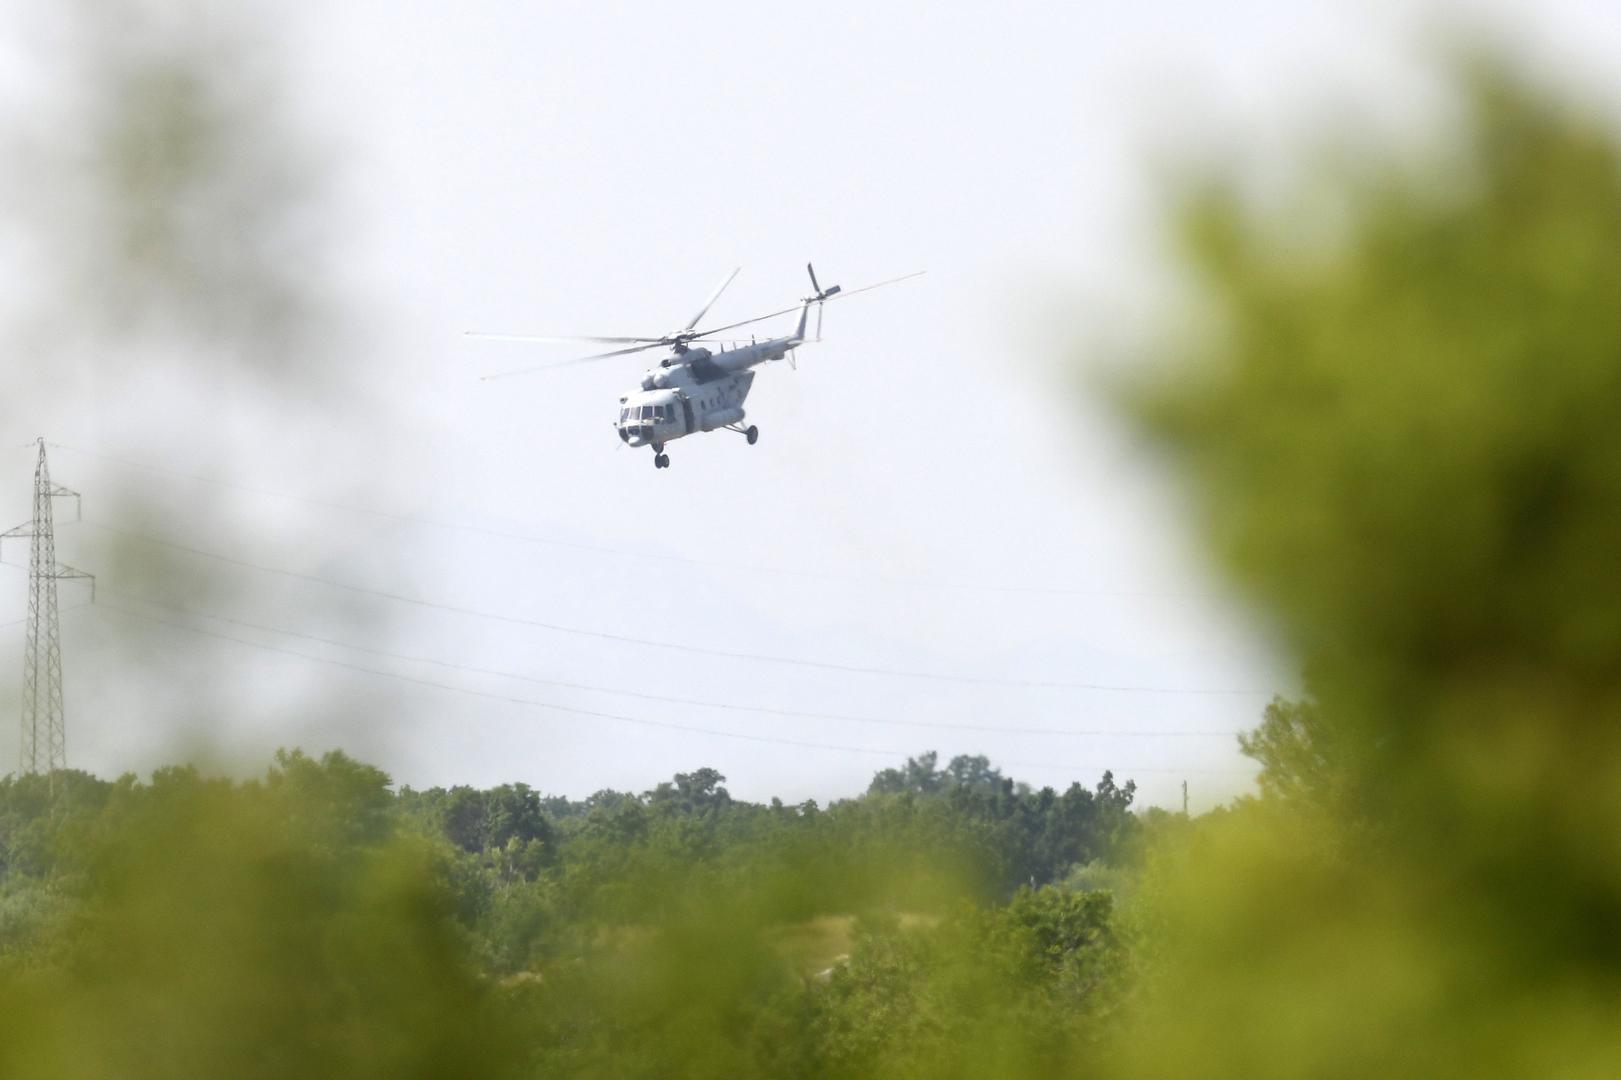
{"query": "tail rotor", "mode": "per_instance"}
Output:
(820, 297)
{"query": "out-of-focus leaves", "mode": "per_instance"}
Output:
(314, 923)
(170, 198)
(1404, 445)
(224, 930)
(176, 302)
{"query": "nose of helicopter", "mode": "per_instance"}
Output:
(650, 418)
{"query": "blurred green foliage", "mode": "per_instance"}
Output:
(167, 193)
(1405, 444)
(192, 927)
(316, 923)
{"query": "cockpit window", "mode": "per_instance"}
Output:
(647, 412)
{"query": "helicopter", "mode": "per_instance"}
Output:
(696, 388)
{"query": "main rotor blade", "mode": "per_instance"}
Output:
(786, 311)
(711, 301)
(745, 322)
(554, 339)
(841, 294)
(567, 363)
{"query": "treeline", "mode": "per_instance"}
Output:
(917, 834)
(317, 913)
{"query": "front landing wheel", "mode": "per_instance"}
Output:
(661, 461)
(752, 434)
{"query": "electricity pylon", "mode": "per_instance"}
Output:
(44, 735)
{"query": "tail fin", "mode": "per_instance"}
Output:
(804, 313)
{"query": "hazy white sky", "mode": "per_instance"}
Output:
(930, 493)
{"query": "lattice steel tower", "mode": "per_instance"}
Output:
(44, 735)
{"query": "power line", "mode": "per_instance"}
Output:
(700, 650)
(594, 714)
(602, 549)
(662, 698)
(508, 698)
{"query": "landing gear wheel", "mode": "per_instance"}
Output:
(752, 434)
(661, 461)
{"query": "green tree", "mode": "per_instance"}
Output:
(1301, 755)
(1401, 439)
(267, 929)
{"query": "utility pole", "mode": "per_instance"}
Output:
(1184, 798)
(44, 734)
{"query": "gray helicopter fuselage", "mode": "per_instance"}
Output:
(695, 391)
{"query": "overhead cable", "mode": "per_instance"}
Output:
(663, 698)
(674, 646)
(603, 549)
(615, 717)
